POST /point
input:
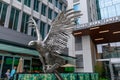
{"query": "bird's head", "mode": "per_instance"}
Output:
(32, 43)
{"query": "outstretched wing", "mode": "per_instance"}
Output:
(57, 38)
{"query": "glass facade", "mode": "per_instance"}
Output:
(9, 61)
(108, 8)
(27, 2)
(36, 5)
(3, 11)
(24, 25)
(43, 10)
(50, 13)
(60, 5)
(13, 23)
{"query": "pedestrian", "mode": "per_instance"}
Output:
(7, 75)
(13, 71)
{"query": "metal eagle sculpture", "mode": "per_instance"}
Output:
(55, 41)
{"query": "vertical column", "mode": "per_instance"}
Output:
(84, 10)
(47, 11)
(40, 6)
(52, 14)
(45, 29)
(8, 14)
(111, 70)
(87, 54)
(31, 6)
(20, 17)
(71, 48)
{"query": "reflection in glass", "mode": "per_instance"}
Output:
(108, 8)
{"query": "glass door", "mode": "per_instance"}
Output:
(16, 61)
(7, 64)
(27, 65)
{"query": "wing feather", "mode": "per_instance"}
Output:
(58, 35)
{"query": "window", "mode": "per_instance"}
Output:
(36, 65)
(36, 5)
(27, 2)
(33, 32)
(79, 61)
(77, 8)
(14, 15)
(56, 3)
(42, 29)
(78, 43)
(50, 13)
(65, 8)
(19, 0)
(111, 11)
(55, 14)
(48, 28)
(50, 1)
(60, 5)
(24, 25)
(27, 65)
(118, 9)
(43, 10)
(3, 11)
(16, 61)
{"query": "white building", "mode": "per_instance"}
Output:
(97, 27)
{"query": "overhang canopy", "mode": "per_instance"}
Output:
(104, 33)
(17, 49)
(27, 51)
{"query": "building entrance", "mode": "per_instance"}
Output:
(112, 65)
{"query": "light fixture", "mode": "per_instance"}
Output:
(116, 32)
(94, 28)
(104, 31)
(98, 39)
(77, 33)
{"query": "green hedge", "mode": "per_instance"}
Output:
(65, 76)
